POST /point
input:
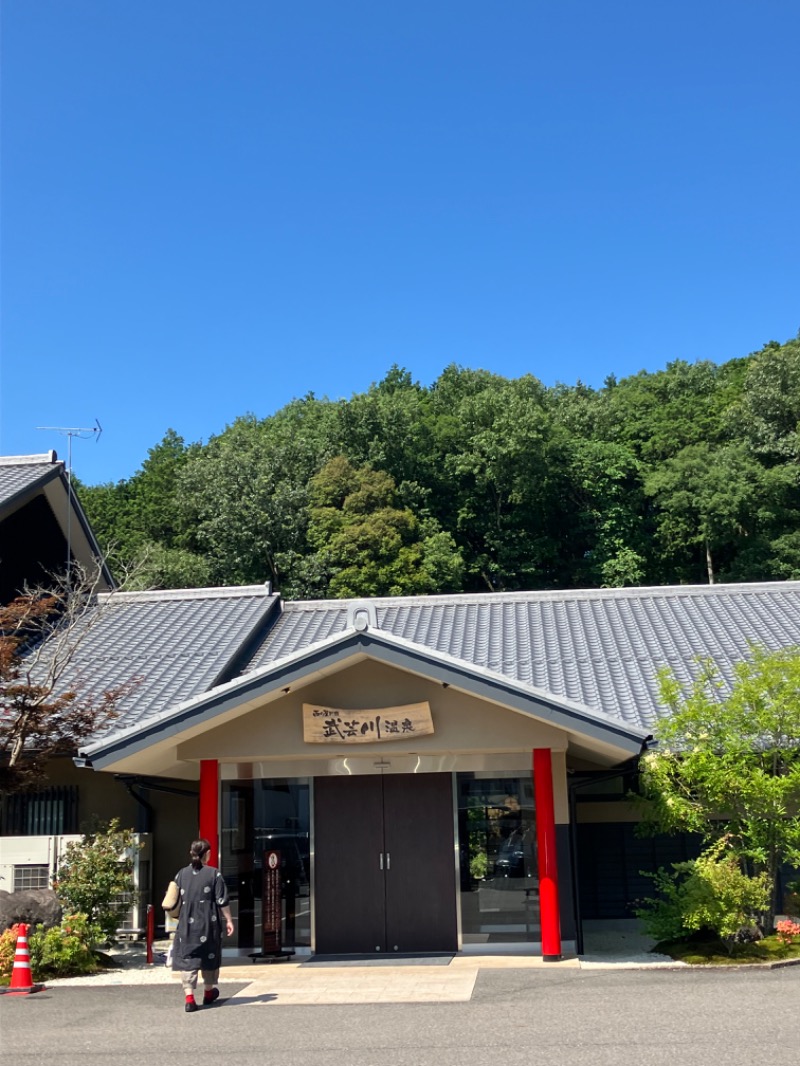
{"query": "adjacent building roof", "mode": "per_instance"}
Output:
(41, 523)
(20, 475)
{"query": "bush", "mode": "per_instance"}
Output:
(479, 865)
(788, 932)
(97, 874)
(8, 947)
(65, 950)
(62, 951)
(709, 894)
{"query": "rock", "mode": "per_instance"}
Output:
(38, 906)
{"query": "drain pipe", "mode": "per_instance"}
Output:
(149, 817)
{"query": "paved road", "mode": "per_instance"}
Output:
(515, 1017)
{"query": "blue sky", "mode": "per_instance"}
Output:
(211, 208)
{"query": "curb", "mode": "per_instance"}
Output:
(777, 964)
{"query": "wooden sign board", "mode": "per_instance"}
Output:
(330, 725)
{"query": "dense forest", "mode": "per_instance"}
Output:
(479, 483)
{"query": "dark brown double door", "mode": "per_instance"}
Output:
(384, 864)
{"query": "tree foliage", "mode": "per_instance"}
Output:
(688, 474)
(369, 543)
(711, 893)
(95, 877)
(40, 633)
(727, 764)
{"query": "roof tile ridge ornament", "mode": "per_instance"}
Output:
(212, 592)
(29, 460)
(361, 615)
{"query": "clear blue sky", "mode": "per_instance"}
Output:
(210, 208)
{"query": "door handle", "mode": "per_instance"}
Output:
(388, 861)
(381, 860)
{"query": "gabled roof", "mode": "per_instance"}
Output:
(21, 475)
(39, 515)
(602, 648)
(588, 661)
(353, 645)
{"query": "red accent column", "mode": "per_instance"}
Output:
(209, 806)
(549, 913)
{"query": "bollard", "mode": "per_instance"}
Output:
(151, 932)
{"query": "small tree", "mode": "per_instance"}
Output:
(711, 893)
(41, 715)
(729, 765)
(96, 876)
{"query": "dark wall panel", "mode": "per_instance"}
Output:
(611, 858)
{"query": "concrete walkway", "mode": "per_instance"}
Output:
(450, 979)
(428, 979)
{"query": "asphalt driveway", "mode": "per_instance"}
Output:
(627, 1017)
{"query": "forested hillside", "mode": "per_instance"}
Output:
(479, 483)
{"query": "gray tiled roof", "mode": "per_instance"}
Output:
(600, 648)
(20, 473)
(176, 644)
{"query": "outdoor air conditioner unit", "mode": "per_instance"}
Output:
(133, 907)
(32, 862)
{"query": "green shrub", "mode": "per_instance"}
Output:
(63, 951)
(479, 865)
(8, 948)
(711, 894)
(97, 875)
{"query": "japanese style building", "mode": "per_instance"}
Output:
(435, 774)
(397, 775)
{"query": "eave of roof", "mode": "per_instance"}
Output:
(51, 469)
(30, 486)
(334, 653)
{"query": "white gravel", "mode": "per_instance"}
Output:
(131, 968)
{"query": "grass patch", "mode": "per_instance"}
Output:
(714, 953)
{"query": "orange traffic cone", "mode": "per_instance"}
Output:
(21, 976)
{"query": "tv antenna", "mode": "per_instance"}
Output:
(82, 433)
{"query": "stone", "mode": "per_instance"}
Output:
(38, 906)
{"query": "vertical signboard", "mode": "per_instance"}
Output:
(271, 904)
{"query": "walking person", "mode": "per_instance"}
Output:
(198, 938)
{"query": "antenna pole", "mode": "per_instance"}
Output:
(82, 433)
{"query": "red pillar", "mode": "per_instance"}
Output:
(548, 859)
(209, 806)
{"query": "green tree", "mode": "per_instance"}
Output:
(369, 543)
(607, 487)
(95, 877)
(768, 413)
(244, 496)
(658, 414)
(503, 481)
(727, 763)
(139, 522)
(389, 428)
(712, 503)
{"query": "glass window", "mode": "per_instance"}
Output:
(498, 861)
(30, 877)
(260, 816)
